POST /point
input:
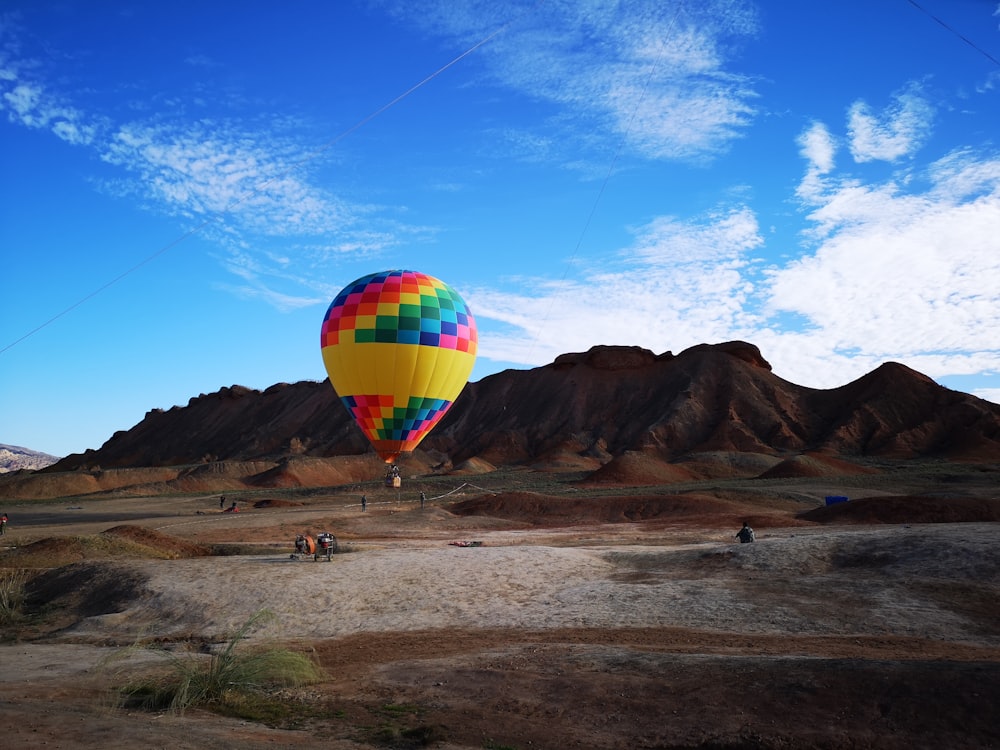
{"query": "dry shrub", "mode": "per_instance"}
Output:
(11, 595)
(230, 681)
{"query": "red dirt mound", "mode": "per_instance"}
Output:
(727, 464)
(473, 466)
(118, 542)
(174, 547)
(907, 509)
(635, 469)
(814, 466)
(304, 471)
(37, 485)
(544, 510)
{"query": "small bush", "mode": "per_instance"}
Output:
(230, 681)
(11, 595)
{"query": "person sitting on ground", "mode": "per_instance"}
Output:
(745, 535)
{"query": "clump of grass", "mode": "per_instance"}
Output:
(233, 680)
(12, 582)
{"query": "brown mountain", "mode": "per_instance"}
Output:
(594, 410)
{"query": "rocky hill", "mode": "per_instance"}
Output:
(15, 458)
(589, 410)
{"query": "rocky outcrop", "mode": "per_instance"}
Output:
(584, 411)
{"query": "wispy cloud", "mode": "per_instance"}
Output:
(905, 269)
(30, 103)
(892, 134)
(680, 283)
(214, 168)
(903, 275)
(277, 300)
(246, 180)
(817, 148)
(653, 73)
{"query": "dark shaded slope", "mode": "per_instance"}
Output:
(233, 424)
(895, 411)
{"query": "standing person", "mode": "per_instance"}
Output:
(222, 501)
(745, 535)
(423, 499)
(364, 503)
(3, 524)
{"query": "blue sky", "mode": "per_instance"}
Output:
(187, 185)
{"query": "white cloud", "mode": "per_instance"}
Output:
(680, 283)
(991, 82)
(889, 275)
(650, 71)
(914, 272)
(717, 236)
(897, 132)
(277, 300)
(74, 133)
(213, 168)
(912, 277)
(29, 102)
(23, 101)
(818, 148)
(988, 394)
(31, 105)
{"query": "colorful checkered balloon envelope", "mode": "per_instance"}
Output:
(399, 347)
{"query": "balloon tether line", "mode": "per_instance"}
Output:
(607, 179)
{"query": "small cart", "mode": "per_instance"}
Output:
(324, 545)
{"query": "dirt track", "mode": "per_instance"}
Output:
(604, 636)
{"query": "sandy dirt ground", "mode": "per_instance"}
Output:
(591, 635)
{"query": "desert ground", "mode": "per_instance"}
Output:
(584, 618)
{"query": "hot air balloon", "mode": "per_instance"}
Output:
(399, 347)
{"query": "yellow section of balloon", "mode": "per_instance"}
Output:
(399, 370)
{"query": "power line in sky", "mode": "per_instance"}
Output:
(961, 36)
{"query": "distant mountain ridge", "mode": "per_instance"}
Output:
(15, 458)
(588, 410)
